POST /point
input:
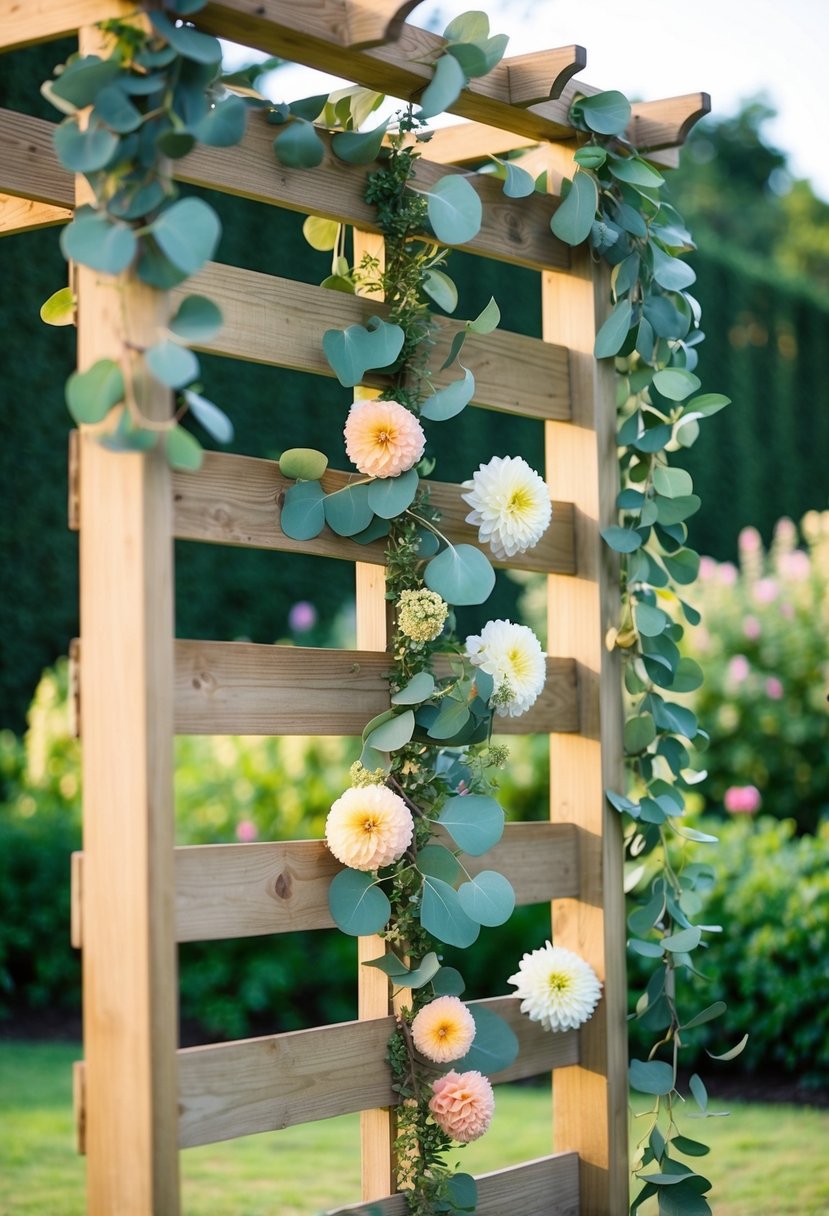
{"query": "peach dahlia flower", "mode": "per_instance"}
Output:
(462, 1105)
(443, 1030)
(369, 827)
(383, 438)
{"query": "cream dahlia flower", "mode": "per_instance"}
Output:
(510, 505)
(421, 614)
(558, 988)
(443, 1030)
(369, 827)
(383, 438)
(462, 1105)
(512, 655)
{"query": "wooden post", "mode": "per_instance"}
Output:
(377, 1127)
(589, 1099)
(129, 956)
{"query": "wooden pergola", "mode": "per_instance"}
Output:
(139, 1097)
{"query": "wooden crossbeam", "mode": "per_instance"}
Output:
(548, 1186)
(281, 322)
(542, 75)
(234, 500)
(248, 890)
(24, 214)
(242, 688)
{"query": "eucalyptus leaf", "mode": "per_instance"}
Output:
(634, 170)
(650, 621)
(59, 309)
(651, 1077)
(420, 688)
(621, 540)
(115, 110)
(444, 88)
(448, 982)
(614, 331)
(447, 402)
(441, 914)
(494, 1047)
(96, 241)
(172, 364)
(733, 1052)
(189, 43)
(518, 183)
(683, 941)
(320, 233)
(389, 497)
(87, 150)
(474, 821)
(672, 482)
(440, 288)
(675, 383)
(454, 348)
(394, 734)
(299, 146)
(439, 862)
(574, 217)
(353, 351)
(357, 904)
(303, 514)
(639, 733)
(671, 273)
(224, 123)
(91, 394)
(451, 719)
(377, 528)
(197, 319)
(461, 574)
(705, 1015)
(487, 320)
(183, 450)
(81, 80)
(488, 898)
(359, 147)
(303, 464)
(468, 27)
(455, 210)
(347, 511)
(605, 113)
(187, 232)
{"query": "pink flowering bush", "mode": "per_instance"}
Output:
(763, 647)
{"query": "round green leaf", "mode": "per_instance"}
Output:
(590, 156)
(376, 529)
(439, 862)
(474, 821)
(486, 320)
(353, 351)
(393, 734)
(189, 43)
(518, 183)
(347, 511)
(183, 450)
(448, 982)
(451, 719)
(59, 309)
(84, 151)
(359, 147)
(455, 210)
(115, 110)
(671, 482)
(621, 540)
(488, 898)
(299, 146)
(651, 621)
(683, 941)
(468, 27)
(640, 732)
(418, 689)
(675, 383)
(444, 88)
(156, 269)
(389, 497)
(442, 915)
(573, 219)
(635, 171)
(440, 288)
(215, 421)
(96, 241)
(187, 233)
(90, 395)
(175, 144)
(605, 113)
(651, 1076)
(320, 233)
(80, 81)
(197, 319)
(303, 464)
(449, 401)
(224, 123)
(303, 515)
(172, 364)
(461, 574)
(494, 1047)
(461, 1193)
(671, 273)
(357, 904)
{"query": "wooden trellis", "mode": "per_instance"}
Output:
(140, 1098)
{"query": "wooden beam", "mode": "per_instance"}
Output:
(29, 167)
(255, 1085)
(548, 1186)
(666, 123)
(24, 214)
(27, 22)
(241, 688)
(281, 322)
(542, 75)
(373, 22)
(590, 1100)
(234, 500)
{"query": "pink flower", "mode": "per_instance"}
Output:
(774, 688)
(462, 1105)
(766, 590)
(742, 799)
(383, 438)
(794, 566)
(749, 540)
(727, 574)
(302, 616)
(752, 628)
(738, 669)
(246, 831)
(707, 568)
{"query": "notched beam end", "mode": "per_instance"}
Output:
(542, 75)
(370, 23)
(666, 123)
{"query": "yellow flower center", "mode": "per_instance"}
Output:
(557, 981)
(520, 501)
(519, 662)
(384, 436)
(369, 826)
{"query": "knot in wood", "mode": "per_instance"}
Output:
(283, 886)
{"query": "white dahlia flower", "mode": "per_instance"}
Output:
(510, 505)
(512, 655)
(558, 988)
(369, 827)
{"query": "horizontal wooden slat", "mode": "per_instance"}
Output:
(281, 322)
(234, 500)
(23, 214)
(512, 230)
(241, 688)
(255, 1085)
(548, 1186)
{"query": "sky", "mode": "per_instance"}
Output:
(731, 49)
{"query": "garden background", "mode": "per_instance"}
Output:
(763, 281)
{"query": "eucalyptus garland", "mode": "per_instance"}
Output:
(422, 793)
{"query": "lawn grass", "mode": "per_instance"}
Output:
(766, 1160)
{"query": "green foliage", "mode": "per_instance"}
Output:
(763, 647)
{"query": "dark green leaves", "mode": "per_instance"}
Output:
(574, 218)
(189, 43)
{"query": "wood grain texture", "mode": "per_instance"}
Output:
(130, 985)
(241, 688)
(590, 1100)
(234, 500)
(250, 890)
(541, 75)
(29, 167)
(371, 22)
(26, 22)
(666, 123)
(23, 215)
(548, 1186)
(281, 322)
(256, 1085)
